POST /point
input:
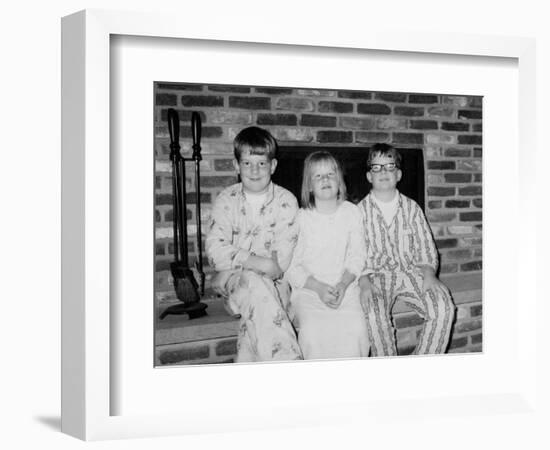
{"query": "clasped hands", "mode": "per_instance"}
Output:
(331, 296)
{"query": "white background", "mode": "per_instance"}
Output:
(30, 75)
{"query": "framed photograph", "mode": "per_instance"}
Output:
(439, 140)
(133, 368)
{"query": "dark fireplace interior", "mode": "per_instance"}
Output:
(353, 161)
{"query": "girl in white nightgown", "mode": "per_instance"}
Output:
(328, 259)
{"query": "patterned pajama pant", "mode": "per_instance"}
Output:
(435, 307)
(265, 330)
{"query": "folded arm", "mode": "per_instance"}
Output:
(221, 252)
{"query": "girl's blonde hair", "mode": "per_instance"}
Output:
(313, 159)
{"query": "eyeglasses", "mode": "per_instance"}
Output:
(389, 167)
(322, 176)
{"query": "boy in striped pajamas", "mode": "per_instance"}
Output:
(402, 261)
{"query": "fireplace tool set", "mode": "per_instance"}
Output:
(185, 284)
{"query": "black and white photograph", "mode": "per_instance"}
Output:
(296, 223)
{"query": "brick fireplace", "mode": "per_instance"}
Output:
(444, 132)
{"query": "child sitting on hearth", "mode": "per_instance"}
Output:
(250, 243)
(329, 257)
(402, 261)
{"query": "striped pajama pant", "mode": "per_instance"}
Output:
(435, 306)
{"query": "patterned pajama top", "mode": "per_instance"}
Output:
(234, 235)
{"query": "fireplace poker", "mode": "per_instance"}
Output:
(196, 132)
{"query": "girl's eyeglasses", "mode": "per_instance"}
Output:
(389, 167)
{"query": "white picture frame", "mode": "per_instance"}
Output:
(87, 383)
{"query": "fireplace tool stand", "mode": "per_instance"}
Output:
(185, 283)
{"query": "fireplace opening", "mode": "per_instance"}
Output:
(354, 164)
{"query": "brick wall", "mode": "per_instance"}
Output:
(447, 128)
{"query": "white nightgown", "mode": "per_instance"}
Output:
(328, 244)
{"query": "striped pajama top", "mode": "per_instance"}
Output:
(405, 244)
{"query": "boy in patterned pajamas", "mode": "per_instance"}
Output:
(249, 243)
(402, 261)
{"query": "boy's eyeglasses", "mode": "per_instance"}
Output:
(389, 167)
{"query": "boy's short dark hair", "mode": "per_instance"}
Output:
(384, 150)
(257, 141)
